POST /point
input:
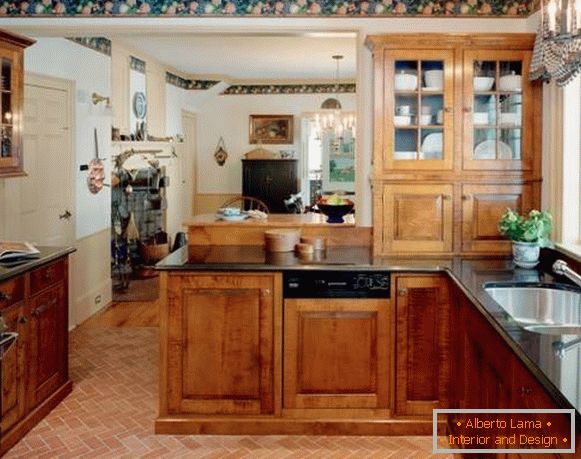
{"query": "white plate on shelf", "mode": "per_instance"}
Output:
(433, 143)
(487, 150)
(403, 155)
(432, 89)
(232, 218)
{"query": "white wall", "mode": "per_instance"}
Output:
(91, 72)
(228, 117)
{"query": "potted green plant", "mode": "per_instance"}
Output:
(528, 234)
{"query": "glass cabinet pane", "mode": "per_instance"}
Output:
(6, 106)
(406, 144)
(418, 116)
(497, 110)
(432, 144)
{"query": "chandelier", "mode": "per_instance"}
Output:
(557, 52)
(330, 119)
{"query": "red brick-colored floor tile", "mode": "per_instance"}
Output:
(111, 411)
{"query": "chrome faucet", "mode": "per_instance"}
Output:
(560, 347)
(562, 268)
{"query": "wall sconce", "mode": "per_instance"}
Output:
(98, 98)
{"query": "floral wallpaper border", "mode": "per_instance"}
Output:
(254, 89)
(99, 44)
(267, 8)
(137, 64)
(188, 84)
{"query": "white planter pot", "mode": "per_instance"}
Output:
(525, 254)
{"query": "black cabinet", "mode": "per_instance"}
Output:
(270, 180)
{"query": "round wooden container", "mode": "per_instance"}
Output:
(302, 248)
(318, 243)
(281, 239)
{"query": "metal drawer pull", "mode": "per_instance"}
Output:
(41, 309)
(48, 274)
(402, 292)
(5, 296)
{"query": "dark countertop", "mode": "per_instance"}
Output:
(561, 376)
(47, 254)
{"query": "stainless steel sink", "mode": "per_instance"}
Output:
(546, 309)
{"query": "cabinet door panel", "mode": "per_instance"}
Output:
(419, 88)
(13, 385)
(482, 207)
(422, 342)
(335, 353)
(224, 345)
(48, 343)
(417, 218)
(498, 110)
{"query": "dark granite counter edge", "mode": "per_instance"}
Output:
(47, 254)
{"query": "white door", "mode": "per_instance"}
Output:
(40, 206)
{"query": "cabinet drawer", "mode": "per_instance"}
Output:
(11, 291)
(46, 276)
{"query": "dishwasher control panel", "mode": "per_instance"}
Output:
(335, 284)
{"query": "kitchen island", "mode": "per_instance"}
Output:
(216, 297)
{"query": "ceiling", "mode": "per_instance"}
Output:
(253, 57)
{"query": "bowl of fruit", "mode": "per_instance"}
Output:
(335, 207)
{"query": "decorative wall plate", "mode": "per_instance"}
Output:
(139, 105)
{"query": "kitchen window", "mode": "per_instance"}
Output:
(566, 189)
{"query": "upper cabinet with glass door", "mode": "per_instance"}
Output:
(419, 101)
(11, 103)
(497, 111)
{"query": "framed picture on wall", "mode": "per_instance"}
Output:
(271, 129)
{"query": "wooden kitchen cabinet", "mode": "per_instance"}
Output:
(11, 102)
(14, 365)
(270, 180)
(474, 121)
(34, 370)
(336, 354)
(482, 207)
(422, 342)
(221, 343)
(415, 218)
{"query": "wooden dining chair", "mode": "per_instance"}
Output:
(246, 203)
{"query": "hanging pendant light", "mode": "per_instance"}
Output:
(332, 103)
(330, 119)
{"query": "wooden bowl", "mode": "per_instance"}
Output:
(281, 239)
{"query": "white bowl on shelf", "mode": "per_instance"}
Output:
(480, 118)
(425, 119)
(510, 118)
(482, 83)
(512, 82)
(406, 82)
(402, 120)
(434, 79)
(403, 155)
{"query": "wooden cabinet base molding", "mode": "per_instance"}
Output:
(190, 425)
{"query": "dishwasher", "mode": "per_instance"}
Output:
(336, 340)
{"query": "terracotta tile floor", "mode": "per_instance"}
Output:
(111, 410)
